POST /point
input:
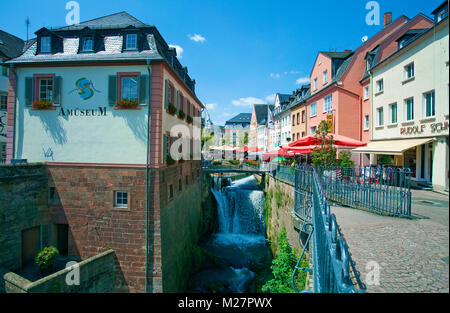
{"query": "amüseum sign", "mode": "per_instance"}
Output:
(100, 111)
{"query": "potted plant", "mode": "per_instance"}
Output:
(45, 259)
(189, 119)
(181, 114)
(42, 104)
(172, 110)
(127, 103)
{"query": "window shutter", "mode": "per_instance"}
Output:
(29, 92)
(57, 90)
(164, 148)
(166, 92)
(177, 100)
(143, 89)
(112, 90)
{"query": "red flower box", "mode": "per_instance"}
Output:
(42, 104)
(127, 103)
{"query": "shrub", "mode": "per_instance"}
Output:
(189, 119)
(172, 109)
(181, 114)
(278, 200)
(324, 153)
(45, 258)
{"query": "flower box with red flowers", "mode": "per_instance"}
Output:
(42, 105)
(127, 104)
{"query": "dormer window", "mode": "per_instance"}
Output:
(88, 44)
(46, 44)
(131, 42)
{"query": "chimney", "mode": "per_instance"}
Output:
(387, 19)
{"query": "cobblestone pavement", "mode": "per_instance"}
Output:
(412, 254)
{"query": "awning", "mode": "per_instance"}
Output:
(394, 147)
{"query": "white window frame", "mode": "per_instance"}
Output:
(119, 199)
(313, 112)
(128, 41)
(366, 92)
(378, 85)
(424, 97)
(406, 104)
(391, 115)
(366, 122)
(91, 46)
(315, 83)
(46, 44)
(311, 130)
(406, 71)
(325, 77)
(380, 109)
(328, 105)
(49, 89)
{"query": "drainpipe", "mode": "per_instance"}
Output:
(13, 155)
(149, 69)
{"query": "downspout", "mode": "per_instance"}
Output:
(11, 66)
(149, 69)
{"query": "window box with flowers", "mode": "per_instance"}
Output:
(42, 105)
(172, 110)
(127, 104)
(181, 114)
(189, 119)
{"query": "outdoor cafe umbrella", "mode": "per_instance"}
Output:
(268, 156)
(339, 140)
(248, 149)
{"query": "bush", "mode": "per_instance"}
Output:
(181, 114)
(234, 162)
(282, 268)
(45, 258)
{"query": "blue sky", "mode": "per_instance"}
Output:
(239, 51)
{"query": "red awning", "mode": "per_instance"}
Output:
(339, 140)
(269, 156)
(298, 150)
(248, 149)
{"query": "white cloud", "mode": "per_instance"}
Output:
(197, 38)
(302, 80)
(247, 102)
(274, 75)
(294, 72)
(179, 50)
(211, 106)
(271, 98)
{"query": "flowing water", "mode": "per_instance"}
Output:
(239, 241)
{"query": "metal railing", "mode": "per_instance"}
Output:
(383, 190)
(303, 193)
(330, 255)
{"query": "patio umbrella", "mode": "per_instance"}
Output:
(339, 140)
(298, 150)
(248, 149)
(274, 154)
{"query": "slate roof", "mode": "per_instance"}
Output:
(110, 29)
(240, 118)
(261, 112)
(337, 55)
(10, 45)
(283, 97)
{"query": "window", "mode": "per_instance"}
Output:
(293, 120)
(5, 71)
(3, 102)
(393, 113)
(303, 116)
(325, 77)
(313, 109)
(131, 42)
(180, 186)
(328, 104)
(129, 87)
(171, 94)
(88, 44)
(380, 115)
(409, 109)
(121, 199)
(366, 92)
(313, 130)
(187, 180)
(380, 85)
(429, 104)
(315, 83)
(408, 71)
(45, 89)
(3, 151)
(170, 192)
(366, 122)
(303, 134)
(46, 45)
(293, 137)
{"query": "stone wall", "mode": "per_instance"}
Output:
(96, 274)
(183, 221)
(23, 205)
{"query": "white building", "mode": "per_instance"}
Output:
(411, 105)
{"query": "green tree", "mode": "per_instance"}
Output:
(324, 153)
